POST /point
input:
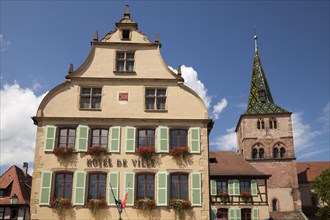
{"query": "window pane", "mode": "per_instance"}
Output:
(72, 132)
(174, 186)
(183, 138)
(130, 66)
(150, 103)
(141, 183)
(85, 91)
(96, 102)
(59, 185)
(150, 92)
(96, 133)
(150, 186)
(161, 92)
(184, 187)
(97, 91)
(95, 141)
(120, 55)
(120, 66)
(84, 102)
(104, 132)
(130, 56)
(161, 103)
(63, 132)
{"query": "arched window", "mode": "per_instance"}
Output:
(274, 205)
(282, 152)
(261, 123)
(261, 153)
(272, 123)
(275, 152)
(254, 153)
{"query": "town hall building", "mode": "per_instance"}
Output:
(122, 132)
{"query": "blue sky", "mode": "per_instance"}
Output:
(212, 39)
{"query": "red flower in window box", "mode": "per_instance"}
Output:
(246, 195)
(96, 150)
(179, 151)
(179, 205)
(146, 204)
(224, 197)
(95, 204)
(63, 151)
(145, 152)
(60, 204)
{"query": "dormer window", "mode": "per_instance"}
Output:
(262, 95)
(125, 35)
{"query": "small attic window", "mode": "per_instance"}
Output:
(126, 35)
(262, 95)
(213, 160)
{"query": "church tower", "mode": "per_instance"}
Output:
(265, 140)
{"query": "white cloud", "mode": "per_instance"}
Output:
(325, 117)
(302, 133)
(218, 108)
(18, 134)
(191, 80)
(4, 44)
(226, 141)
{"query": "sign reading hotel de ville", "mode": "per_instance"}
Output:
(108, 162)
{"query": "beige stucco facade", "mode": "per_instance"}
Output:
(184, 109)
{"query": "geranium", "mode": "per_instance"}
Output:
(246, 195)
(223, 194)
(60, 203)
(63, 151)
(179, 151)
(95, 204)
(179, 205)
(145, 152)
(96, 150)
(145, 204)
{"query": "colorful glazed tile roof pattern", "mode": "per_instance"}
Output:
(259, 83)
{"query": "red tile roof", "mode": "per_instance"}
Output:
(230, 164)
(308, 171)
(13, 181)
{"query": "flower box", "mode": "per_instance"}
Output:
(224, 197)
(179, 205)
(246, 196)
(63, 151)
(96, 150)
(60, 204)
(179, 152)
(146, 204)
(145, 152)
(95, 204)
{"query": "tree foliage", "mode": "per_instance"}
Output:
(321, 186)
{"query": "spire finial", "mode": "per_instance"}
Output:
(127, 14)
(255, 39)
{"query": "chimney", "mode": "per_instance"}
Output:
(25, 168)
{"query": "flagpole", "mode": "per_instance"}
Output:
(118, 203)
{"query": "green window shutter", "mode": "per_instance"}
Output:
(162, 195)
(130, 139)
(213, 187)
(255, 214)
(114, 139)
(50, 138)
(236, 187)
(113, 183)
(238, 214)
(195, 140)
(195, 189)
(79, 188)
(162, 139)
(213, 213)
(254, 187)
(45, 187)
(232, 214)
(82, 138)
(231, 187)
(129, 184)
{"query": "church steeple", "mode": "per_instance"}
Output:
(260, 98)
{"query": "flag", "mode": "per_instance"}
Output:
(125, 199)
